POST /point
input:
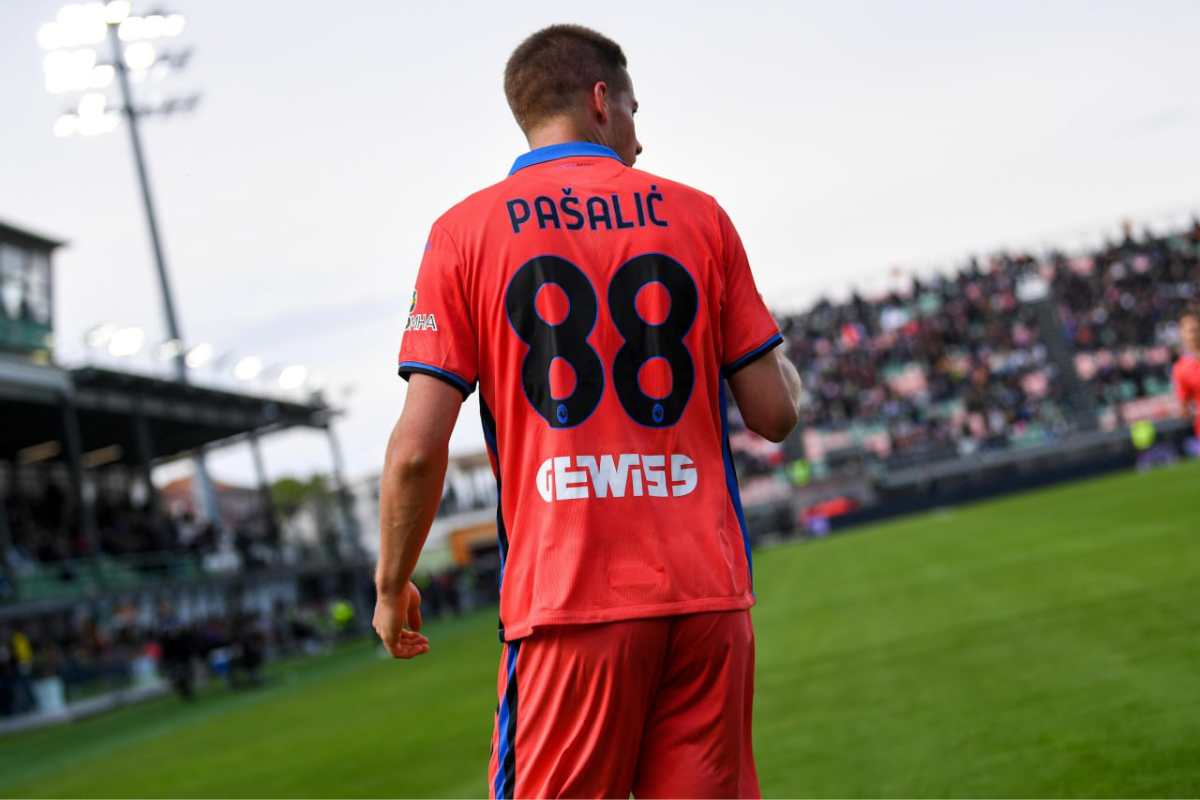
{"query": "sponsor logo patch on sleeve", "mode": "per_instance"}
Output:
(419, 322)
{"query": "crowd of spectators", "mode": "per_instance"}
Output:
(1120, 308)
(90, 654)
(45, 527)
(78, 651)
(456, 590)
(954, 364)
(964, 362)
(45, 537)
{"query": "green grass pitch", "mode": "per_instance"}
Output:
(1045, 644)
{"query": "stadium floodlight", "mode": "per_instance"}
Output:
(247, 368)
(97, 337)
(69, 70)
(97, 124)
(199, 355)
(130, 30)
(92, 105)
(73, 65)
(75, 24)
(115, 11)
(154, 26)
(140, 56)
(151, 27)
(101, 76)
(127, 341)
(92, 117)
(293, 377)
(316, 381)
(175, 23)
(169, 350)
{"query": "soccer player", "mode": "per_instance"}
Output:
(1186, 373)
(600, 310)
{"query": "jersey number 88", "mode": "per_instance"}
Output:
(567, 339)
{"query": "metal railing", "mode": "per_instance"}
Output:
(82, 577)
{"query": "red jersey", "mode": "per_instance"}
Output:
(1186, 377)
(598, 308)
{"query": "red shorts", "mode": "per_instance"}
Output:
(657, 707)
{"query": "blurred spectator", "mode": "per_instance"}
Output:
(178, 648)
(16, 671)
(249, 642)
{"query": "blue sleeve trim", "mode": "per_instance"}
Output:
(768, 345)
(458, 382)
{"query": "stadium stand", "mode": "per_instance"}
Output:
(90, 546)
(960, 363)
(1011, 360)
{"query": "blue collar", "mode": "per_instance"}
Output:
(564, 150)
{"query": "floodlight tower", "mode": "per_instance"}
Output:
(73, 66)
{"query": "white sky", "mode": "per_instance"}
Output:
(844, 138)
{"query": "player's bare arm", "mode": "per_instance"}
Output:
(410, 490)
(768, 395)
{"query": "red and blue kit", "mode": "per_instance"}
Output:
(598, 309)
(1186, 377)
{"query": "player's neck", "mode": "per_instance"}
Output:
(560, 131)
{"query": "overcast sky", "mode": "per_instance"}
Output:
(843, 138)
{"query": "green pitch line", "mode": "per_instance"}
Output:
(1046, 644)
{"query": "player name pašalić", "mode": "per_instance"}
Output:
(598, 212)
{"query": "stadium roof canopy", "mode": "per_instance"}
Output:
(179, 417)
(9, 233)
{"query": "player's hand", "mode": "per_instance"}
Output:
(398, 622)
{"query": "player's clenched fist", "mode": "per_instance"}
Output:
(398, 622)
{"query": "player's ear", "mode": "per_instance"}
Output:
(598, 102)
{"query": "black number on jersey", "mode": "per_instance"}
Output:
(568, 338)
(644, 341)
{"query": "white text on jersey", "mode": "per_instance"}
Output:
(615, 476)
(421, 322)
